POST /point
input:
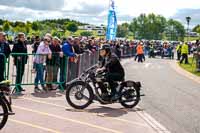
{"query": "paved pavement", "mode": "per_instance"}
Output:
(50, 113)
(172, 97)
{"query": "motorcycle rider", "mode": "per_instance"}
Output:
(114, 71)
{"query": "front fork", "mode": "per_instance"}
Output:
(8, 104)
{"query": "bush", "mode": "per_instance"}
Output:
(86, 33)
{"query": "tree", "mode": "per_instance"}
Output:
(1, 28)
(86, 33)
(35, 26)
(1, 21)
(122, 30)
(28, 27)
(19, 29)
(6, 26)
(156, 27)
(72, 27)
(175, 30)
(196, 29)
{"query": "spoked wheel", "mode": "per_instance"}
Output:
(79, 95)
(3, 114)
(130, 96)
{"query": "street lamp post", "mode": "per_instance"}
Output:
(188, 24)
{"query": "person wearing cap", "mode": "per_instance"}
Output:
(4, 53)
(113, 68)
(20, 47)
(42, 53)
(69, 51)
(53, 63)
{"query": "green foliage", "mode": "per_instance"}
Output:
(6, 26)
(175, 30)
(1, 21)
(86, 33)
(196, 29)
(156, 27)
(190, 67)
(122, 30)
(18, 23)
(72, 27)
(35, 26)
(19, 29)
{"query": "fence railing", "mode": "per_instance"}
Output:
(23, 69)
(127, 51)
(3, 70)
(35, 69)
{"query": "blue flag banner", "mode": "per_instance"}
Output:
(112, 23)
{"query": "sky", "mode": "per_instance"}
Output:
(95, 11)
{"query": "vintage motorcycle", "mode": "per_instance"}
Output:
(85, 89)
(5, 102)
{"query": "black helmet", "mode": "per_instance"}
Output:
(106, 47)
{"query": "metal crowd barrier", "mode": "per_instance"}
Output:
(128, 51)
(22, 70)
(85, 61)
(3, 69)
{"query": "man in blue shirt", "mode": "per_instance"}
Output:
(68, 49)
(69, 52)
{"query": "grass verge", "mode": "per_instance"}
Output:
(191, 67)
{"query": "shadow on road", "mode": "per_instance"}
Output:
(107, 111)
(53, 94)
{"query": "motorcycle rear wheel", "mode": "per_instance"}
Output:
(130, 95)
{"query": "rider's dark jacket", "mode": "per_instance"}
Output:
(114, 67)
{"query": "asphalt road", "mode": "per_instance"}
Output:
(171, 98)
(50, 113)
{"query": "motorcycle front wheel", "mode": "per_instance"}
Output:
(79, 95)
(3, 114)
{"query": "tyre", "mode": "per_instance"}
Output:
(130, 96)
(78, 92)
(3, 110)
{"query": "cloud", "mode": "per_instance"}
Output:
(35, 4)
(183, 13)
(95, 11)
(25, 14)
(89, 9)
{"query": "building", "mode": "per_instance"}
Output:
(100, 29)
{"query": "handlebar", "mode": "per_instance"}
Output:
(90, 69)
